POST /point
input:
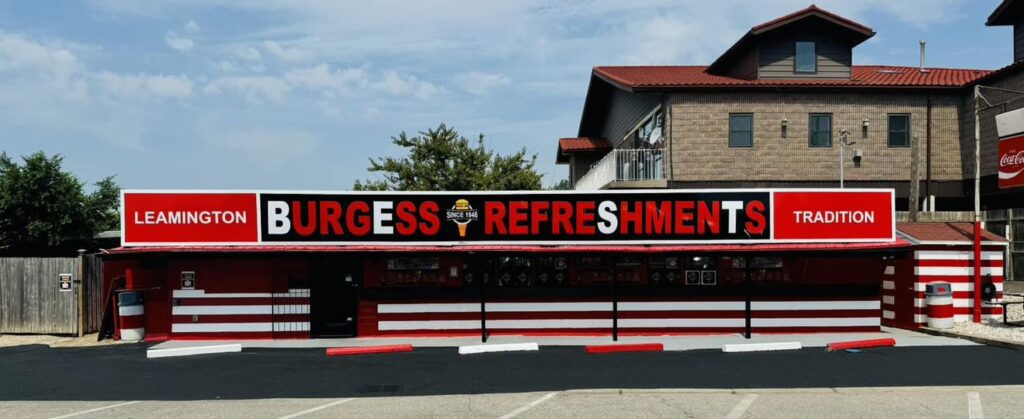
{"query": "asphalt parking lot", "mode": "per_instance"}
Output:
(554, 382)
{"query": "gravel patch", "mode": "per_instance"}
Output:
(994, 328)
(54, 341)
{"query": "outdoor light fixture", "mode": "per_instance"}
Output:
(785, 124)
(865, 124)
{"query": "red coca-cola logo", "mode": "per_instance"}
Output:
(1012, 159)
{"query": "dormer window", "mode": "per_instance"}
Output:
(806, 58)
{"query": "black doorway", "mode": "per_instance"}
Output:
(334, 296)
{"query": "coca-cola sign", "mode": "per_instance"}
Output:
(1011, 162)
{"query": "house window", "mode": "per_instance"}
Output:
(648, 135)
(899, 130)
(741, 130)
(820, 130)
(806, 59)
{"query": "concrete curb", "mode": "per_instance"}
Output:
(506, 347)
(194, 350)
(981, 340)
(761, 347)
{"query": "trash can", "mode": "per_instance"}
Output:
(939, 298)
(131, 315)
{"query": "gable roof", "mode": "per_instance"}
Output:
(858, 32)
(945, 232)
(635, 78)
(1007, 13)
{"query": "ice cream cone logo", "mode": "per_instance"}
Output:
(462, 214)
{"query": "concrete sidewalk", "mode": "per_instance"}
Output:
(672, 343)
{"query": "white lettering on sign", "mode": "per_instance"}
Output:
(833, 217)
(277, 217)
(190, 217)
(1011, 159)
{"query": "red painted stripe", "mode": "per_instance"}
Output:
(857, 344)
(628, 347)
(132, 322)
(957, 278)
(363, 350)
(944, 311)
(240, 318)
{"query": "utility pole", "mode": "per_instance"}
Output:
(977, 204)
(915, 179)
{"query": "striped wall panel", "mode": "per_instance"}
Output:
(955, 267)
(634, 317)
(200, 315)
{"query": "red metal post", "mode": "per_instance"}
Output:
(977, 272)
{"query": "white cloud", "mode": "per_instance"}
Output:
(255, 89)
(268, 146)
(191, 27)
(178, 43)
(249, 54)
(480, 84)
(143, 85)
(285, 54)
(405, 85)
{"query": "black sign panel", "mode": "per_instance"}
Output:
(535, 217)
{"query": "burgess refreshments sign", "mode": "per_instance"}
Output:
(160, 218)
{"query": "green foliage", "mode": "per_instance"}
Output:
(561, 185)
(41, 205)
(441, 160)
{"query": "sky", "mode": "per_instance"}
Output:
(274, 94)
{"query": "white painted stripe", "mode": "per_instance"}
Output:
(131, 310)
(958, 318)
(429, 308)
(741, 407)
(494, 307)
(957, 286)
(135, 334)
(815, 305)
(507, 347)
(221, 327)
(318, 408)
(956, 270)
(529, 405)
(817, 322)
(957, 303)
(429, 325)
(203, 294)
(702, 322)
(681, 306)
(98, 409)
(194, 350)
(974, 406)
(230, 310)
(955, 255)
(888, 299)
(888, 285)
(549, 324)
(886, 314)
(760, 347)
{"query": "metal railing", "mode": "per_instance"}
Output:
(624, 165)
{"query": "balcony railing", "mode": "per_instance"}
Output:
(623, 165)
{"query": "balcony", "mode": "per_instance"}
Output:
(622, 168)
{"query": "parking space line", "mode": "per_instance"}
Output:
(742, 407)
(974, 405)
(318, 408)
(94, 410)
(529, 405)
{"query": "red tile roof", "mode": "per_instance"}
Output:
(812, 10)
(580, 145)
(863, 76)
(569, 145)
(945, 232)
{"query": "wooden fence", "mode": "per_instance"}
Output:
(31, 300)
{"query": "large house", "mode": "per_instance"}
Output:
(783, 106)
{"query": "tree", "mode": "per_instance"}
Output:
(442, 160)
(43, 206)
(561, 185)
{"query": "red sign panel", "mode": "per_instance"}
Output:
(1011, 162)
(642, 217)
(832, 215)
(186, 218)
